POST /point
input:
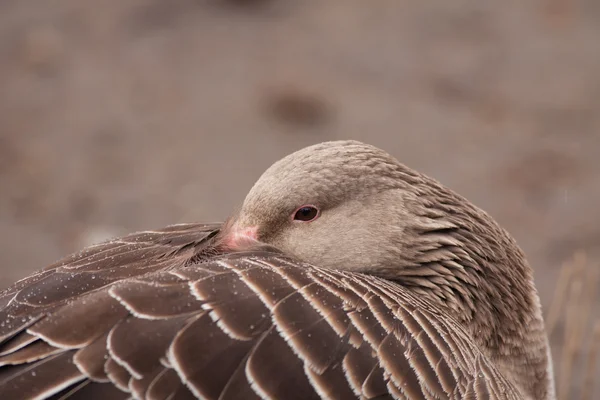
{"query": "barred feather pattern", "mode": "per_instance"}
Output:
(158, 315)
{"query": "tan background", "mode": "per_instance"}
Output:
(124, 115)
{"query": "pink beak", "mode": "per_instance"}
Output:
(238, 238)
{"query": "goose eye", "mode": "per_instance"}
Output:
(306, 213)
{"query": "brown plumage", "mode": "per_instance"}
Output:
(399, 288)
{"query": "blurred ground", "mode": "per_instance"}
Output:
(124, 115)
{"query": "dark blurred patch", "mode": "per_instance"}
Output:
(245, 3)
(538, 174)
(448, 90)
(559, 14)
(24, 175)
(107, 138)
(452, 92)
(8, 154)
(28, 192)
(298, 108)
(42, 50)
(493, 110)
(7, 3)
(107, 155)
(156, 15)
(82, 205)
(586, 239)
(569, 122)
(242, 4)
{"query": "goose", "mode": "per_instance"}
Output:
(344, 274)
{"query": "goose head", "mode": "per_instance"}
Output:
(351, 206)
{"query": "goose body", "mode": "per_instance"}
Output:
(244, 310)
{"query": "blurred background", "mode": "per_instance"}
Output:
(118, 116)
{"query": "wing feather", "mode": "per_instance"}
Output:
(160, 315)
(19, 341)
(42, 379)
